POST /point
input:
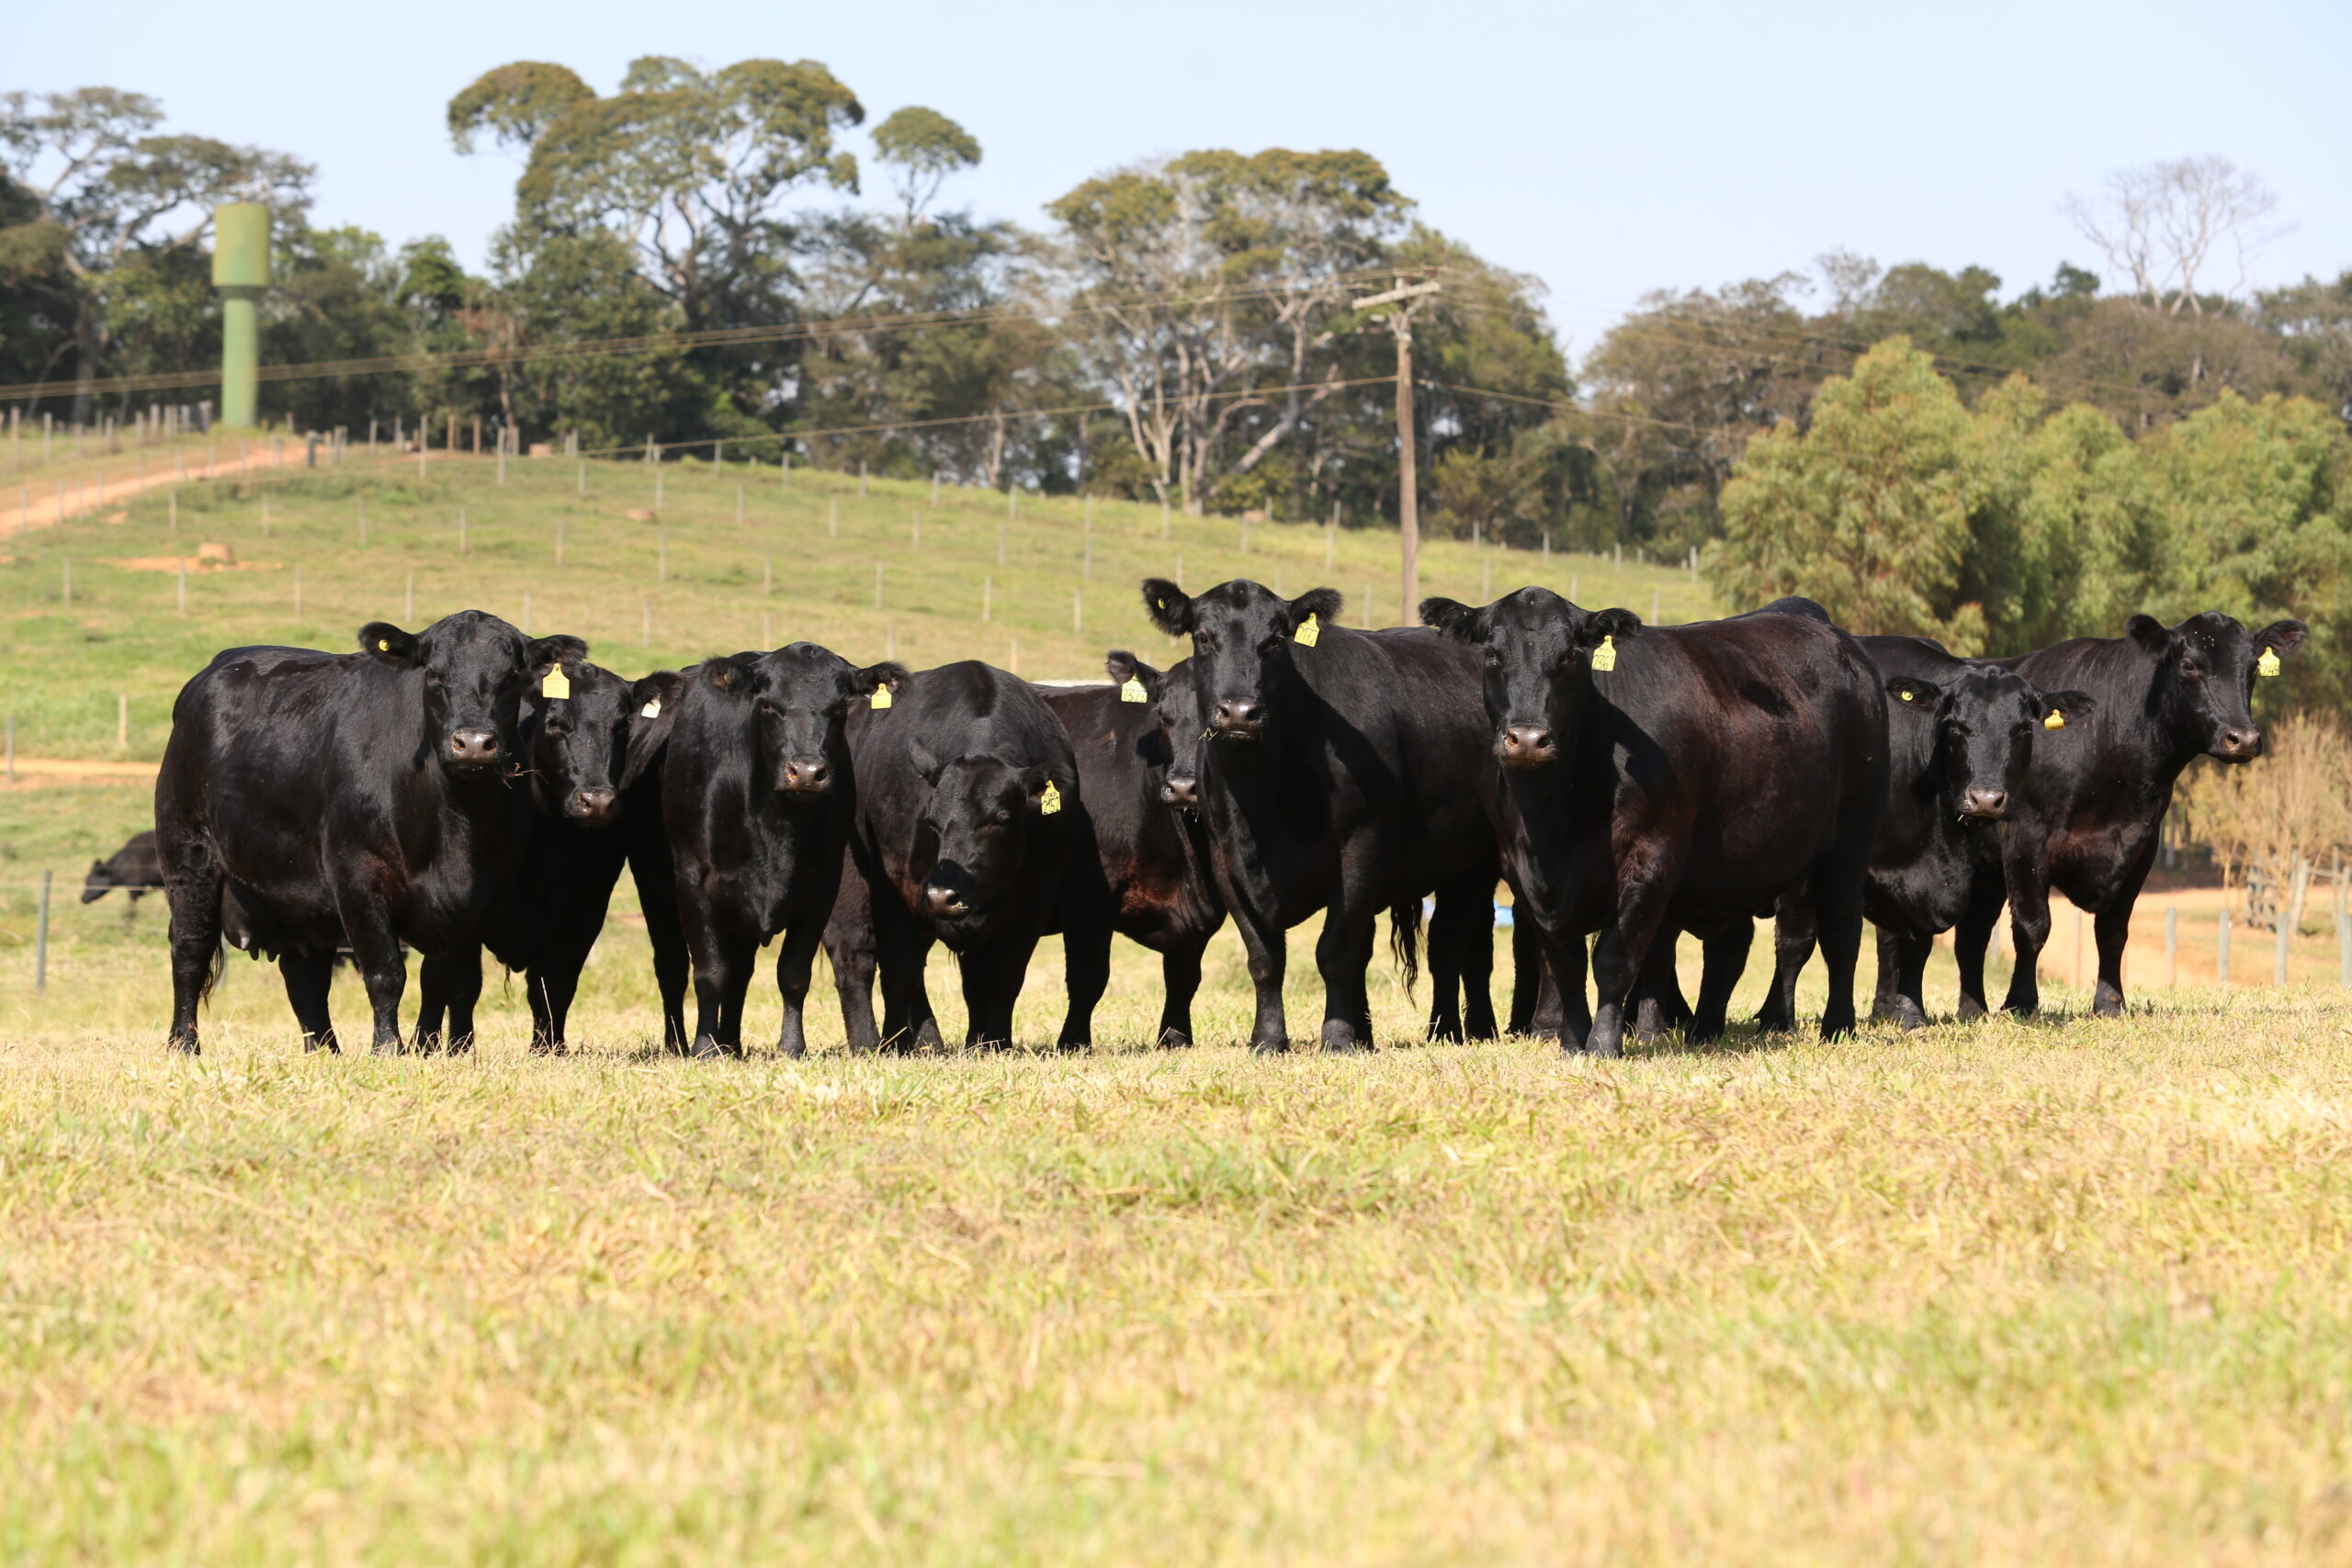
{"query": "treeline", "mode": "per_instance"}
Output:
(1183, 329)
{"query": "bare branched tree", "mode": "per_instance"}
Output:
(2169, 223)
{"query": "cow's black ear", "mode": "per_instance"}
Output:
(730, 674)
(2148, 632)
(2281, 638)
(1123, 666)
(889, 673)
(1049, 790)
(1910, 692)
(2068, 706)
(1170, 607)
(652, 709)
(388, 642)
(1608, 623)
(1454, 618)
(1323, 603)
(544, 653)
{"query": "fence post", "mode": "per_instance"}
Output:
(2221, 948)
(2278, 963)
(122, 721)
(41, 936)
(833, 517)
(182, 564)
(1077, 610)
(2172, 947)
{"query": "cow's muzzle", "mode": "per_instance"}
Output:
(594, 807)
(2239, 743)
(1181, 790)
(944, 901)
(1238, 720)
(473, 748)
(1984, 804)
(1526, 746)
(806, 775)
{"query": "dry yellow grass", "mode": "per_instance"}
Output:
(2067, 1292)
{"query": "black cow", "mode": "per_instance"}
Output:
(1688, 779)
(309, 800)
(2085, 821)
(1140, 866)
(137, 868)
(758, 793)
(968, 812)
(1960, 735)
(548, 915)
(1337, 776)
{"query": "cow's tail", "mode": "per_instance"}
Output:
(1405, 939)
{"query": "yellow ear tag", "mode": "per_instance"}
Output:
(652, 709)
(1906, 693)
(2269, 663)
(1133, 691)
(1605, 656)
(882, 698)
(557, 685)
(1308, 633)
(2055, 720)
(1049, 802)
(383, 644)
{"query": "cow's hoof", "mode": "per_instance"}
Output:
(707, 1049)
(1274, 1048)
(1971, 1010)
(2107, 1004)
(1341, 1040)
(1174, 1040)
(184, 1044)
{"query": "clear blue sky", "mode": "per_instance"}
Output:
(1607, 149)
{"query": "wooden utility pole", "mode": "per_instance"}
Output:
(1405, 297)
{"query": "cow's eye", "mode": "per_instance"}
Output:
(2192, 672)
(1000, 818)
(1270, 645)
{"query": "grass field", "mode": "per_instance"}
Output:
(2060, 1292)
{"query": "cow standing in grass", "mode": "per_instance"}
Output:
(1336, 774)
(311, 800)
(967, 815)
(1141, 867)
(2086, 820)
(1960, 738)
(758, 793)
(137, 868)
(1646, 780)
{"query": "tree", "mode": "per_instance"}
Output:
(1206, 292)
(2168, 224)
(923, 147)
(1867, 511)
(103, 190)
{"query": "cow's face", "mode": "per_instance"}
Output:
(577, 740)
(1984, 720)
(473, 669)
(1184, 735)
(1241, 647)
(800, 697)
(1153, 751)
(1538, 652)
(97, 885)
(2206, 668)
(980, 822)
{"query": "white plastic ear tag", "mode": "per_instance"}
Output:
(1050, 801)
(2269, 663)
(882, 698)
(652, 709)
(1133, 691)
(1605, 656)
(2055, 720)
(557, 685)
(1310, 631)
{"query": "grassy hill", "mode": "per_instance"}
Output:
(723, 557)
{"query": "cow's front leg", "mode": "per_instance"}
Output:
(376, 952)
(1342, 953)
(1261, 943)
(306, 981)
(796, 962)
(1726, 952)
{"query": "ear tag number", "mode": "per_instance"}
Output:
(2269, 663)
(1133, 691)
(557, 685)
(882, 698)
(2055, 720)
(1605, 656)
(1049, 802)
(1309, 631)
(652, 709)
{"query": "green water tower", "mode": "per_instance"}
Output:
(241, 271)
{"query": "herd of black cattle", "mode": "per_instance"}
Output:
(466, 787)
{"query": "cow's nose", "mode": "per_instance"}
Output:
(1239, 715)
(2237, 745)
(594, 805)
(1527, 743)
(943, 901)
(473, 746)
(806, 773)
(1984, 802)
(1181, 790)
